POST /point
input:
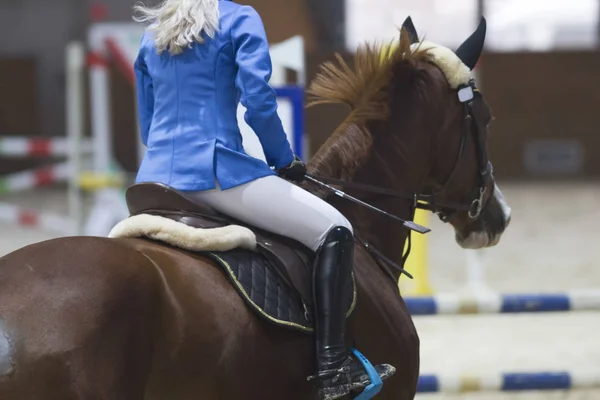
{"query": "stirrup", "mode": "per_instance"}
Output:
(376, 384)
(370, 390)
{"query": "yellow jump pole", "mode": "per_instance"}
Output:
(92, 181)
(417, 262)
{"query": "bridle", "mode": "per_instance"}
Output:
(466, 94)
(428, 201)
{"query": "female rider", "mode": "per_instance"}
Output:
(197, 60)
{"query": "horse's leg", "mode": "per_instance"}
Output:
(76, 318)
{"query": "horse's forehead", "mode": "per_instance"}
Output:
(456, 72)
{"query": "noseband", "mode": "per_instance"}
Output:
(428, 201)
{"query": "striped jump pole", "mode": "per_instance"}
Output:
(451, 304)
(33, 179)
(509, 382)
(15, 215)
(13, 146)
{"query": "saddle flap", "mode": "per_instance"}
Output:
(257, 280)
(142, 197)
(292, 260)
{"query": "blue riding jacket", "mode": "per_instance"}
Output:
(187, 106)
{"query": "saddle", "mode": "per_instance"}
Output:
(275, 280)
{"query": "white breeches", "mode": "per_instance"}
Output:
(276, 205)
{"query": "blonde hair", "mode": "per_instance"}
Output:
(176, 24)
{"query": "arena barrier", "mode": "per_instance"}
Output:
(509, 382)
(14, 215)
(72, 147)
(38, 147)
(453, 304)
(449, 304)
(33, 179)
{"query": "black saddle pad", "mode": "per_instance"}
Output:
(266, 292)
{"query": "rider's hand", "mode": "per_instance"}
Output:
(295, 171)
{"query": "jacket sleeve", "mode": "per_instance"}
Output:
(254, 71)
(145, 97)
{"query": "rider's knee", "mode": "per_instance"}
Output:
(339, 229)
(342, 222)
(340, 233)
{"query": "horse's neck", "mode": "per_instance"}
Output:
(385, 164)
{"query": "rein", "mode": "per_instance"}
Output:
(376, 254)
(408, 224)
(420, 201)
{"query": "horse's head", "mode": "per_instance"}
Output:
(461, 188)
(419, 129)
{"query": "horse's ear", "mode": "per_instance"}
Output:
(470, 50)
(411, 30)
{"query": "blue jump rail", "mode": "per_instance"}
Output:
(509, 382)
(504, 303)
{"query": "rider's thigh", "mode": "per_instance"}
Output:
(276, 205)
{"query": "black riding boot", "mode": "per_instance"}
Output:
(339, 372)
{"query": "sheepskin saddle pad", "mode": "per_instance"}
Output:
(272, 274)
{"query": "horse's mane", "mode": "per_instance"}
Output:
(366, 89)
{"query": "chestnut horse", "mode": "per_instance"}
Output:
(130, 318)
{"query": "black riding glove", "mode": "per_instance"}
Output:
(295, 171)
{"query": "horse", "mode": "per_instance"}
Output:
(139, 317)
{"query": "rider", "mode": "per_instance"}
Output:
(197, 60)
